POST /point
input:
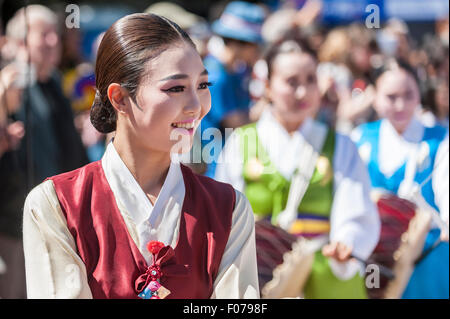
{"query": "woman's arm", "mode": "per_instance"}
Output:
(354, 218)
(238, 273)
(53, 267)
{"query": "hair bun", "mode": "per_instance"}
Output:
(103, 117)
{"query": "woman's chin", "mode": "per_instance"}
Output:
(181, 148)
(400, 124)
(297, 117)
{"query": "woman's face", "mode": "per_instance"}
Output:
(44, 46)
(293, 88)
(171, 100)
(397, 98)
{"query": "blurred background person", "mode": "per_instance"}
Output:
(79, 88)
(263, 158)
(345, 78)
(286, 21)
(12, 273)
(400, 153)
(232, 54)
(10, 95)
(432, 62)
(55, 144)
(51, 144)
(394, 39)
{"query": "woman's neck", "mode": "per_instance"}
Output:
(290, 127)
(148, 167)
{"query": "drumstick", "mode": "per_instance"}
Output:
(386, 272)
(416, 197)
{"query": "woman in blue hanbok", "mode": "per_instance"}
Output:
(402, 155)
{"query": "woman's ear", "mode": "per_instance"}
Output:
(117, 96)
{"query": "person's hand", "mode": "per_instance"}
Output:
(15, 131)
(326, 84)
(10, 94)
(10, 136)
(355, 108)
(337, 250)
(308, 13)
(8, 75)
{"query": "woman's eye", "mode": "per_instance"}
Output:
(292, 83)
(391, 97)
(311, 79)
(409, 95)
(175, 89)
(204, 85)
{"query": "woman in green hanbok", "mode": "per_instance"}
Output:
(305, 177)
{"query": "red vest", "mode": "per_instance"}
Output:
(113, 261)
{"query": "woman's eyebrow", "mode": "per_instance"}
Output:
(181, 76)
(175, 77)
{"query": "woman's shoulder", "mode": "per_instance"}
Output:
(42, 199)
(348, 154)
(345, 142)
(86, 170)
(45, 194)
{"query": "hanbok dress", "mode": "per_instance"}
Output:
(86, 234)
(336, 203)
(388, 155)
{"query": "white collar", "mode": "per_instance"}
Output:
(413, 133)
(395, 148)
(284, 149)
(305, 130)
(130, 195)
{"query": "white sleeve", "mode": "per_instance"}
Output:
(238, 274)
(230, 163)
(440, 179)
(354, 217)
(52, 265)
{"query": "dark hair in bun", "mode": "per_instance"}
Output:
(122, 56)
(103, 115)
(396, 64)
(285, 45)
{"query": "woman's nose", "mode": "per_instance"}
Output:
(300, 92)
(193, 105)
(399, 104)
(51, 39)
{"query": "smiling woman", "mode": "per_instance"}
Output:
(152, 88)
(127, 45)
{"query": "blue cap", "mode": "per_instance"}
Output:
(241, 21)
